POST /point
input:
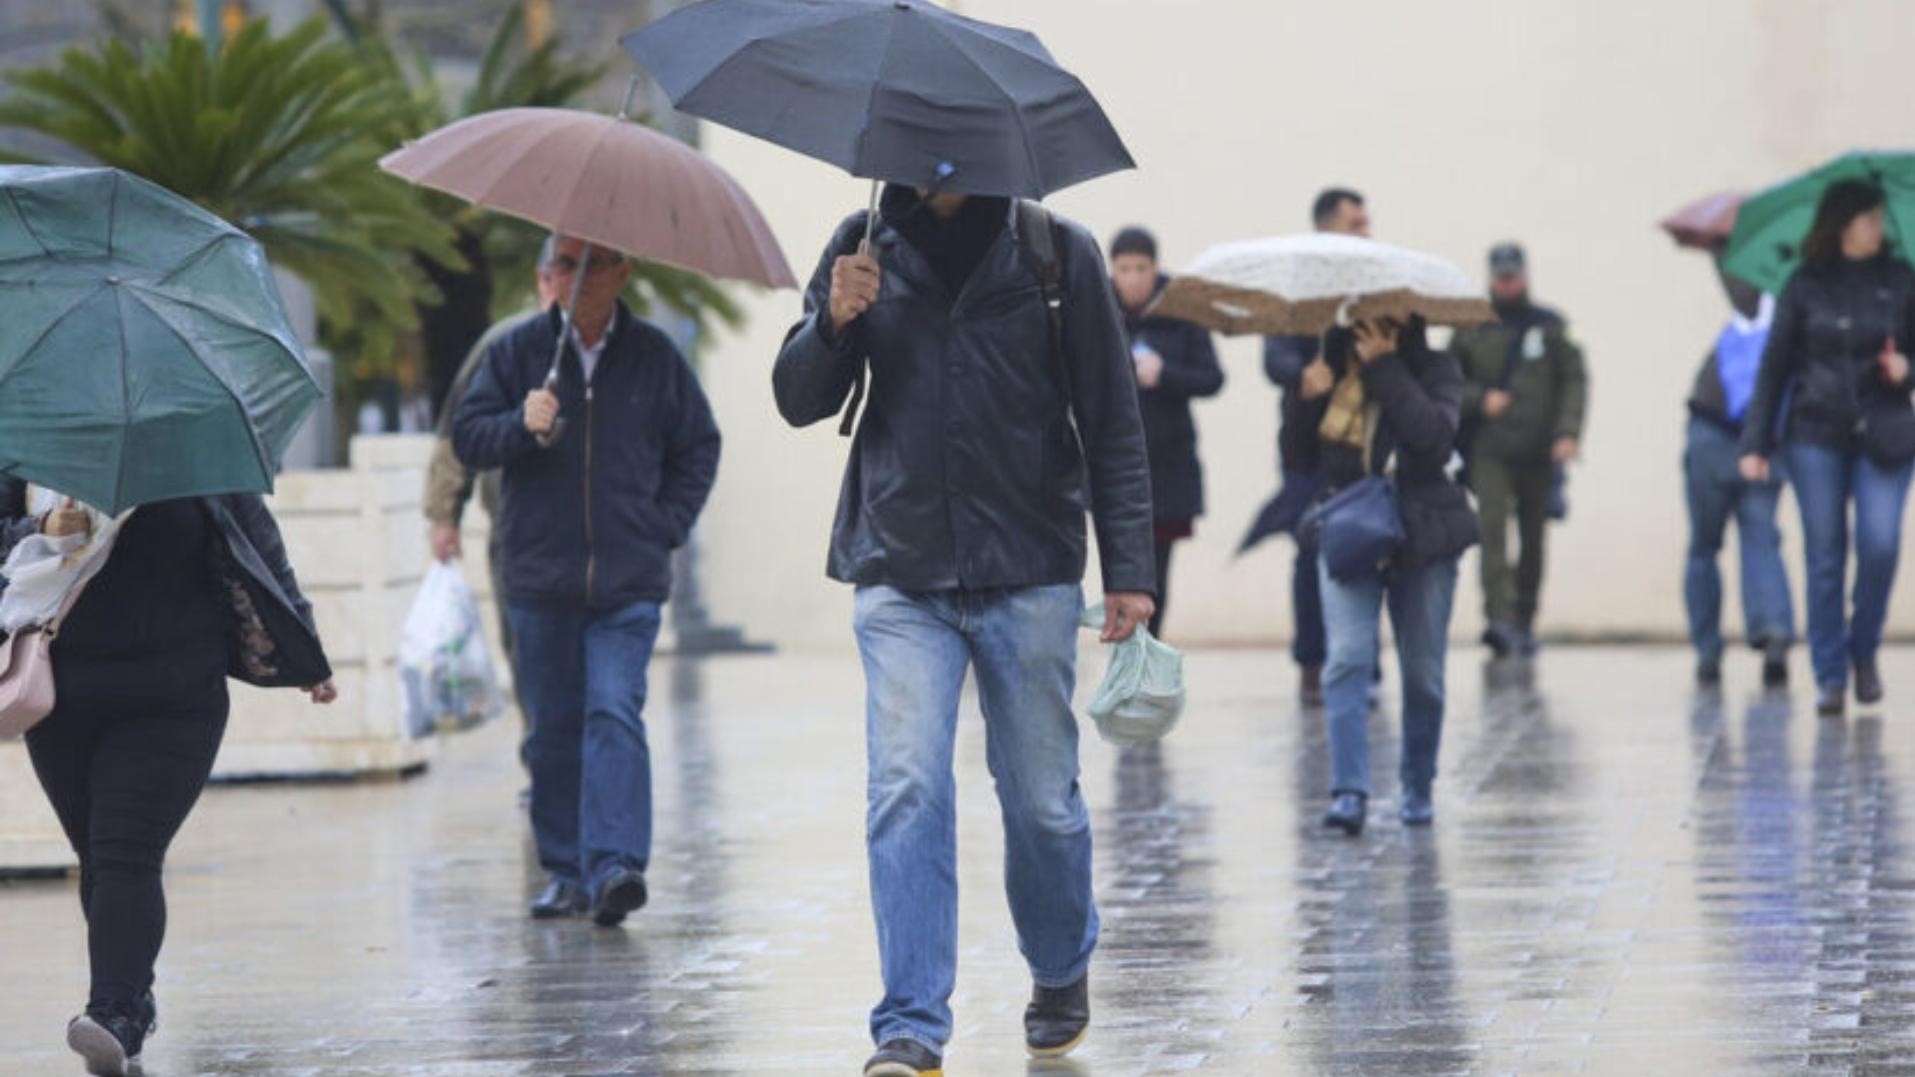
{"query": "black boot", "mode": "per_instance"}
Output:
(561, 899)
(618, 897)
(904, 1058)
(1709, 672)
(1868, 683)
(1775, 664)
(1058, 1019)
(1346, 813)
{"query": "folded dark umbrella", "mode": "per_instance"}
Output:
(1282, 514)
(900, 91)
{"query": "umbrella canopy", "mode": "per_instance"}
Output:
(1306, 284)
(1766, 247)
(1707, 224)
(603, 179)
(894, 90)
(144, 353)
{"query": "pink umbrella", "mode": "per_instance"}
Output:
(1706, 225)
(605, 180)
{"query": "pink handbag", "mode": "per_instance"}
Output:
(26, 674)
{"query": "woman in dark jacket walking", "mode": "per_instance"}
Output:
(1836, 353)
(1397, 401)
(193, 591)
(1176, 364)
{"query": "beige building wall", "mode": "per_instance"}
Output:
(1572, 125)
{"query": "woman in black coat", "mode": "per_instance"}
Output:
(193, 591)
(1176, 364)
(1837, 364)
(1403, 401)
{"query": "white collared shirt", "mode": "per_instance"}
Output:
(588, 357)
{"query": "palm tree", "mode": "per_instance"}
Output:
(279, 135)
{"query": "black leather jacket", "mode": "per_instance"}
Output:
(966, 471)
(1830, 322)
(274, 643)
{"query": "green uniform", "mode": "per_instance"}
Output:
(1531, 355)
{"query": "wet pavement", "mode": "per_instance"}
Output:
(1624, 878)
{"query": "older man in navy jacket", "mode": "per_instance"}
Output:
(605, 470)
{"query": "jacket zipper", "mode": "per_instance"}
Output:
(591, 562)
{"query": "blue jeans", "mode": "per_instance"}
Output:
(1825, 481)
(1420, 602)
(1717, 493)
(1022, 645)
(582, 682)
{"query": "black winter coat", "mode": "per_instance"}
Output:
(275, 643)
(1420, 396)
(1830, 322)
(966, 471)
(1283, 361)
(1191, 372)
(592, 520)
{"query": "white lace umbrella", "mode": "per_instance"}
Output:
(1306, 284)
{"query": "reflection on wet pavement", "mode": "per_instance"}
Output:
(1624, 878)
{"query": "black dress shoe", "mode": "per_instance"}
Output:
(619, 896)
(560, 900)
(904, 1058)
(1832, 702)
(1346, 813)
(1868, 683)
(1709, 672)
(1058, 1019)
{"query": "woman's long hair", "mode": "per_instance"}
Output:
(1840, 205)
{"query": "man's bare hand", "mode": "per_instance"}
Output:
(1318, 380)
(541, 412)
(855, 280)
(446, 544)
(68, 519)
(1496, 403)
(1125, 612)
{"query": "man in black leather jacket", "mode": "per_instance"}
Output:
(962, 524)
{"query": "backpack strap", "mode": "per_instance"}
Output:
(1037, 238)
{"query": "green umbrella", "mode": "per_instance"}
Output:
(1766, 248)
(144, 353)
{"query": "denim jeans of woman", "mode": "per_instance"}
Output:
(1420, 601)
(1826, 482)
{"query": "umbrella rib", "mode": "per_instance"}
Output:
(1017, 112)
(51, 326)
(252, 434)
(27, 224)
(126, 393)
(227, 319)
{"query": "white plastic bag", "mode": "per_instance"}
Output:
(42, 572)
(1143, 691)
(445, 668)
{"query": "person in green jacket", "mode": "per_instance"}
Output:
(1523, 405)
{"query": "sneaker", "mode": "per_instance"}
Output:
(904, 1058)
(108, 1043)
(619, 896)
(1868, 683)
(1709, 672)
(1058, 1019)
(1310, 686)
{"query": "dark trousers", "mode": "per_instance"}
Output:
(122, 765)
(1506, 491)
(1163, 586)
(1309, 646)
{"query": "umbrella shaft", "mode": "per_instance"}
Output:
(871, 220)
(565, 314)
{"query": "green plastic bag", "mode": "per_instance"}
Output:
(1143, 691)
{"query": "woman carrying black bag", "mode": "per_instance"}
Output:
(1397, 403)
(1836, 352)
(192, 591)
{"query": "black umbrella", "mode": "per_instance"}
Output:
(898, 91)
